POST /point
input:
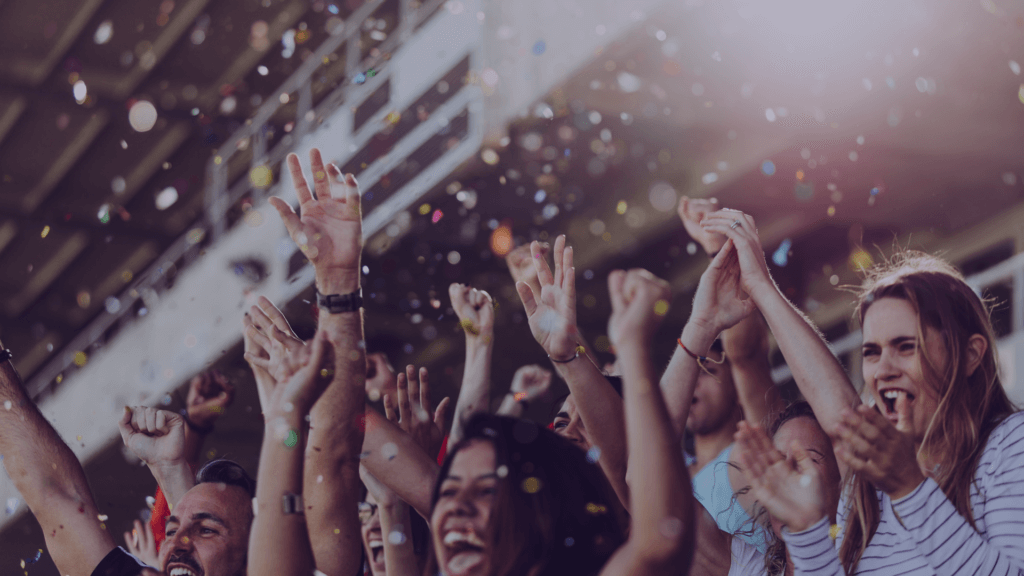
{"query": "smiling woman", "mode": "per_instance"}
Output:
(514, 498)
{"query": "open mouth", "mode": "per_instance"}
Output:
(466, 551)
(891, 396)
(377, 551)
(181, 571)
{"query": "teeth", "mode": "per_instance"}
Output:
(181, 572)
(376, 544)
(467, 537)
(894, 394)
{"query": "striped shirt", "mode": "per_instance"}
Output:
(933, 538)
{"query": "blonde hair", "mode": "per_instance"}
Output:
(970, 405)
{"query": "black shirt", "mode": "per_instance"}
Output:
(119, 563)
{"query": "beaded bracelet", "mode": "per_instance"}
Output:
(700, 359)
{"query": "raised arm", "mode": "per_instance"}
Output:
(395, 527)
(399, 462)
(818, 374)
(552, 317)
(528, 384)
(476, 316)
(50, 479)
(157, 437)
(279, 540)
(329, 233)
(661, 536)
(746, 347)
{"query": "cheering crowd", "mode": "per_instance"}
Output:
(922, 473)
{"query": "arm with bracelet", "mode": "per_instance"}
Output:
(475, 310)
(279, 541)
(552, 318)
(329, 233)
(528, 384)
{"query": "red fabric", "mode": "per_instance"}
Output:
(443, 451)
(158, 519)
(551, 426)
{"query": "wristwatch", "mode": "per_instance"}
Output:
(292, 504)
(338, 303)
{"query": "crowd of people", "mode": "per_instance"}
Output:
(920, 473)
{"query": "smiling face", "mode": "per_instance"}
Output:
(208, 532)
(459, 522)
(373, 541)
(568, 424)
(808, 435)
(893, 365)
(715, 403)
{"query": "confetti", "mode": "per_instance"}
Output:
(389, 451)
(531, 485)
(768, 168)
(396, 536)
(142, 116)
(594, 454)
(292, 439)
(781, 255)
(166, 198)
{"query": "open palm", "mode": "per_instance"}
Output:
(552, 313)
(329, 231)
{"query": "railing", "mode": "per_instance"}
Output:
(220, 195)
(1011, 269)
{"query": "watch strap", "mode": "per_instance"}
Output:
(338, 303)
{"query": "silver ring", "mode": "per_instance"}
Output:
(735, 224)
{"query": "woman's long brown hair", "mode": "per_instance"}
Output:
(970, 406)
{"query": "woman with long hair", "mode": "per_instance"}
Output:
(515, 499)
(933, 466)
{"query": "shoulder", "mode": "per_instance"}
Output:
(120, 563)
(746, 558)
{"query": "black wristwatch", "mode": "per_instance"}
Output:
(338, 303)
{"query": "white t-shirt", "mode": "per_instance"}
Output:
(932, 538)
(747, 560)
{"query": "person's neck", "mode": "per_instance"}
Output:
(707, 447)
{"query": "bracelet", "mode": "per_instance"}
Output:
(5, 355)
(700, 359)
(575, 356)
(520, 397)
(292, 504)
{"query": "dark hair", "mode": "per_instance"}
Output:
(554, 510)
(775, 556)
(970, 405)
(224, 471)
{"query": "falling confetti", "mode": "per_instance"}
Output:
(531, 485)
(768, 168)
(142, 116)
(781, 255)
(389, 451)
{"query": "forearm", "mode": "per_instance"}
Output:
(818, 375)
(174, 479)
(756, 391)
(331, 470)
(193, 445)
(403, 467)
(50, 479)
(680, 377)
(510, 406)
(475, 394)
(662, 520)
(279, 542)
(399, 557)
(746, 348)
(601, 409)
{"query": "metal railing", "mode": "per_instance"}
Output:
(220, 195)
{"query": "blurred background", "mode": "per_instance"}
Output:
(139, 141)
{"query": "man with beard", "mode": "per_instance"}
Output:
(207, 532)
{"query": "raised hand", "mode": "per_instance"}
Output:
(154, 436)
(382, 494)
(639, 302)
(209, 394)
(330, 231)
(720, 302)
(740, 228)
(792, 490)
(272, 342)
(692, 211)
(475, 310)
(552, 312)
(413, 411)
(309, 373)
(521, 267)
(142, 544)
(531, 381)
(870, 445)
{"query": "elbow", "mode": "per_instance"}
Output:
(666, 547)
